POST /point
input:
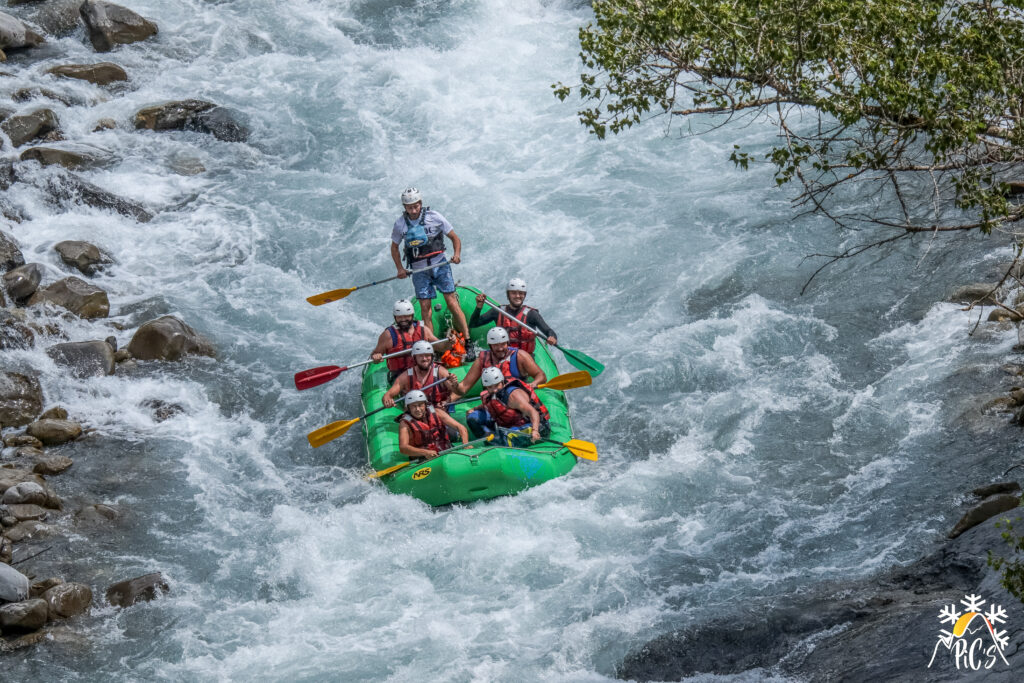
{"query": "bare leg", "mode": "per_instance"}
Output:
(458, 317)
(427, 314)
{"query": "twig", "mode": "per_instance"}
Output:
(25, 559)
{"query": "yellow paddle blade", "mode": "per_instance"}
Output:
(582, 449)
(570, 380)
(388, 470)
(328, 297)
(318, 437)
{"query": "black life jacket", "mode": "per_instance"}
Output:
(417, 244)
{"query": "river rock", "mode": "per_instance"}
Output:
(22, 282)
(104, 124)
(13, 584)
(194, 115)
(146, 587)
(109, 25)
(25, 511)
(999, 487)
(37, 588)
(52, 464)
(86, 359)
(29, 529)
(26, 492)
(103, 73)
(98, 514)
(162, 410)
(84, 256)
(986, 509)
(54, 432)
(27, 127)
(15, 34)
(167, 338)
(53, 17)
(6, 549)
(15, 440)
(984, 293)
(69, 187)
(76, 295)
(12, 476)
(34, 93)
(10, 254)
(27, 615)
(68, 599)
(21, 399)
(54, 413)
(72, 157)
(14, 334)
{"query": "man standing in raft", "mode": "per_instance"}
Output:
(418, 237)
(423, 373)
(510, 405)
(423, 431)
(518, 336)
(399, 337)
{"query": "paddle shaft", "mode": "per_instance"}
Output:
(377, 410)
(395, 277)
(399, 466)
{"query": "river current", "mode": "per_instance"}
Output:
(753, 442)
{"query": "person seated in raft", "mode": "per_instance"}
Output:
(424, 432)
(400, 336)
(513, 363)
(518, 336)
(423, 373)
(510, 408)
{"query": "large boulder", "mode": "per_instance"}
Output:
(27, 127)
(86, 359)
(52, 464)
(54, 432)
(53, 17)
(10, 254)
(146, 587)
(13, 584)
(69, 187)
(25, 493)
(84, 256)
(103, 73)
(76, 295)
(27, 615)
(22, 282)
(167, 338)
(21, 399)
(68, 599)
(109, 25)
(14, 333)
(194, 115)
(68, 155)
(15, 34)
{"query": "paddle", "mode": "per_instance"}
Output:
(579, 448)
(570, 380)
(327, 433)
(400, 465)
(577, 359)
(336, 294)
(307, 379)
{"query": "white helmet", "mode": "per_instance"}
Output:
(417, 396)
(421, 347)
(411, 195)
(516, 284)
(497, 335)
(402, 307)
(492, 376)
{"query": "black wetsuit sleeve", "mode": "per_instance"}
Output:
(533, 319)
(477, 319)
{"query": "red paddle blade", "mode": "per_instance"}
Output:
(307, 379)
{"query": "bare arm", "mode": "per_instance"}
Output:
(529, 367)
(382, 347)
(456, 246)
(452, 422)
(400, 386)
(396, 256)
(521, 402)
(470, 379)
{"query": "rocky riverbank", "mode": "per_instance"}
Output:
(45, 303)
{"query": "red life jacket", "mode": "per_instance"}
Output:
(401, 342)
(518, 336)
(509, 365)
(430, 433)
(435, 394)
(506, 416)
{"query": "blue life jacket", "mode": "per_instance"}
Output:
(418, 245)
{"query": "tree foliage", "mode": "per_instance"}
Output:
(913, 108)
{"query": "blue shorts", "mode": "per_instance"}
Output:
(441, 277)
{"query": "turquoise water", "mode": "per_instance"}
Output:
(753, 441)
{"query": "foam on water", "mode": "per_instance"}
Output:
(751, 440)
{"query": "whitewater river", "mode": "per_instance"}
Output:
(753, 442)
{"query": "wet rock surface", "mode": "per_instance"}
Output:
(103, 73)
(76, 295)
(167, 338)
(140, 589)
(110, 25)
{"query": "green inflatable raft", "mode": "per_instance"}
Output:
(483, 471)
